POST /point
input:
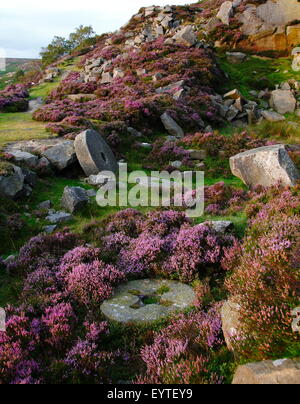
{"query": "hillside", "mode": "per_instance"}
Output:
(153, 289)
(13, 65)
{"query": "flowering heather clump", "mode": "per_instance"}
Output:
(195, 250)
(59, 322)
(165, 152)
(42, 250)
(13, 99)
(221, 199)
(180, 353)
(264, 277)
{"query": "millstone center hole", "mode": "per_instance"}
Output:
(104, 157)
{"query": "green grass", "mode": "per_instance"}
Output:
(245, 76)
(20, 126)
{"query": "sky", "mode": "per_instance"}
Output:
(27, 26)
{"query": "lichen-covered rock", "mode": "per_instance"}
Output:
(61, 155)
(172, 126)
(266, 166)
(282, 371)
(12, 184)
(283, 101)
(74, 199)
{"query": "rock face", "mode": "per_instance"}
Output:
(230, 313)
(283, 371)
(62, 155)
(147, 300)
(226, 12)
(265, 166)
(74, 199)
(283, 101)
(171, 126)
(94, 154)
(12, 185)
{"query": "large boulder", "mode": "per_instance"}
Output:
(12, 183)
(186, 36)
(61, 155)
(283, 371)
(265, 166)
(283, 101)
(231, 325)
(172, 126)
(74, 199)
(94, 154)
(226, 12)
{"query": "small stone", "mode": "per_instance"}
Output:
(176, 164)
(197, 154)
(74, 199)
(236, 57)
(171, 126)
(272, 116)
(231, 325)
(59, 217)
(233, 95)
(50, 229)
(44, 205)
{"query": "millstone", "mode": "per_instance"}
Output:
(94, 154)
(147, 300)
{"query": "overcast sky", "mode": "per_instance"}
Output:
(28, 25)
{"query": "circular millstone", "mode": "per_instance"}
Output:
(147, 300)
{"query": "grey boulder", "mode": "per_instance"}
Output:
(266, 166)
(283, 101)
(172, 126)
(62, 155)
(74, 199)
(12, 184)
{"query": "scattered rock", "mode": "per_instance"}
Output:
(74, 199)
(176, 164)
(186, 36)
(197, 154)
(62, 155)
(171, 126)
(46, 205)
(230, 314)
(233, 95)
(107, 78)
(30, 177)
(283, 101)
(226, 12)
(272, 116)
(50, 229)
(26, 158)
(59, 217)
(236, 57)
(12, 185)
(222, 226)
(100, 179)
(266, 166)
(282, 371)
(94, 154)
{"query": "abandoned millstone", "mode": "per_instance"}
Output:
(59, 217)
(231, 325)
(74, 199)
(282, 371)
(147, 300)
(172, 126)
(266, 166)
(94, 154)
(283, 101)
(12, 184)
(61, 155)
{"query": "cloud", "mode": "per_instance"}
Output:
(28, 26)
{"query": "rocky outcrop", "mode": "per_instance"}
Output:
(266, 166)
(283, 371)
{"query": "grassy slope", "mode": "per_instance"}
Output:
(12, 65)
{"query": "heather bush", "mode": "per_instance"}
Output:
(265, 274)
(180, 353)
(13, 99)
